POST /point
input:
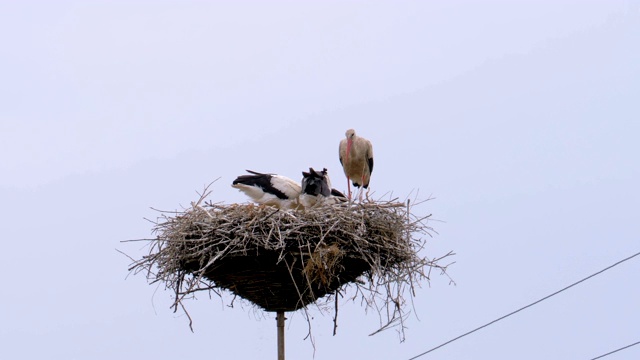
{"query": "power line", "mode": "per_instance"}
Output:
(527, 306)
(615, 351)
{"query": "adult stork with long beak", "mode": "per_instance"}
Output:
(316, 189)
(269, 189)
(356, 157)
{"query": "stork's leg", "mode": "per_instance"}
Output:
(349, 187)
(362, 189)
(367, 194)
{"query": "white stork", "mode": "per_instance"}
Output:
(356, 157)
(316, 189)
(269, 189)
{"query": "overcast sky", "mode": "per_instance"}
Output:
(522, 119)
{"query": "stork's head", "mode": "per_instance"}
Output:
(350, 134)
(326, 176)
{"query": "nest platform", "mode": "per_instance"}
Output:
(286, 260)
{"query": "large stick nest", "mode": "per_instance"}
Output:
(286, 260)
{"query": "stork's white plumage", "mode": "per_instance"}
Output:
(269, 189)
(316, 189)
(356, 157)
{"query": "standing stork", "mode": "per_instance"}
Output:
(269, 189)
(356, 157)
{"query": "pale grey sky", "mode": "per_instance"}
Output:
(521, 118)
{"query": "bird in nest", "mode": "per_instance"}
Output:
(285, 193)
(356, 157)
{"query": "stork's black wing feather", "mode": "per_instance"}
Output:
(337, 193)
(263, 181)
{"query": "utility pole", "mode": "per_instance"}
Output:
(280, 319)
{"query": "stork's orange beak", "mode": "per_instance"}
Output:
(349, 143)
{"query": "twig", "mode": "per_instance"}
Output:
(335, 317)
